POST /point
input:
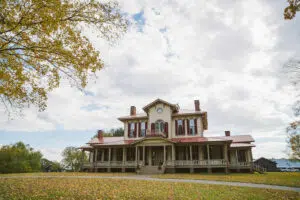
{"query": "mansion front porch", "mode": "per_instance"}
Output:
(169, 157)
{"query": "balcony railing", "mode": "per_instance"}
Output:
(151, 133)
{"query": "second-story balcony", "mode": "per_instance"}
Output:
(153, 133)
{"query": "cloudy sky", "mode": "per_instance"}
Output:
(227, 55)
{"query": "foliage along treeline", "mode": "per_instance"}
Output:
(21, 158)
(112, 133)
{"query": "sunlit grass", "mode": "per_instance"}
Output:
(69, 174)
(84, 188)
(272, 178)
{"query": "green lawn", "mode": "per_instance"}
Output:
(272, 178)
(68, 174)
(83, 188)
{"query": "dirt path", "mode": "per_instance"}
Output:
(147, 178)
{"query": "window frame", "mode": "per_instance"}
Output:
(143, 129)
(132, 127)
(180, 127)
(192, 127)
(159, 126)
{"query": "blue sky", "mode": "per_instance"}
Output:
(227, 55)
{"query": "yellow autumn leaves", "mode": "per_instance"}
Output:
(41, 42)
(95, 188)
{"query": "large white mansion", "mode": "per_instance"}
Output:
(166, 138)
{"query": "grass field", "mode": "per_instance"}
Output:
(68, 174)
(272, 178)
(82, 188)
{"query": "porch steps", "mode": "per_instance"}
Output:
(152, 170)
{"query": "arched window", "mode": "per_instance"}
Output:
(159, 126)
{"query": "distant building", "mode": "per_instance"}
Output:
(269, 165)
(287, 165)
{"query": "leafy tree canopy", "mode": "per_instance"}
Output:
(50, 166)
(294, 139)
(19, 158)
(41, 42)
(290, 11)
(73, 158)
(292, 69)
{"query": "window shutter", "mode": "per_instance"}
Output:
(188, 127)
(195, 122)
(140, 129)
(166, 129)
(152, 127)
(146, 125)
(176, 127)
(135, 129)
(183, 126)
(128, 134)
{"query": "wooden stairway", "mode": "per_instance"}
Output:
(152, 170)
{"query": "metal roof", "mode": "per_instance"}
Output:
(285, 163)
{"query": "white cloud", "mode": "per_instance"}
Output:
(228, 55)
(53, 154)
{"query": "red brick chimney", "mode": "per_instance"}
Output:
(227, 133)
(100, 136)
(132, 110)
(197, 105)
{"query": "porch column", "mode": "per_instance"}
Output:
(109, 155)
(226, 158)
(191, 152)
(237, 161)
(150, 156)
(164, 154)
(90, 156)
(251, 160)
(102, 155)
(191, 158)
(136, 155)
(173, 152)
(251, 155)
(143, 155)
(124, 159)
(96, 154)
(109, 159)
(208, 159)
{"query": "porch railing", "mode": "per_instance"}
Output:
(179, 163)
(216, 162)
(240, 164)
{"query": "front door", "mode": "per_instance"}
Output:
(157, 156)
